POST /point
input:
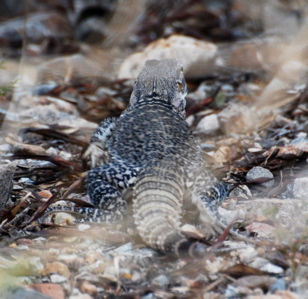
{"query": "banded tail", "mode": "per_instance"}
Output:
(158, 200)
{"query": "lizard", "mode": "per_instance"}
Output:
(151, 150)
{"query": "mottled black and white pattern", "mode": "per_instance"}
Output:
(152, 151)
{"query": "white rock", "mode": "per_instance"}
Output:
(57, 278)
(272, 268)
(265, 265)
(190, 120)
(196, 56)
(63, 218)
(208, 125)
(247, 255)
(300, 188)
(161, 281)
(259, 172)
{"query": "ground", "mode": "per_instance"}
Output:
(247, 105)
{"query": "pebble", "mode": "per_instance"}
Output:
(190, 120)
(247, 255)
(56, 267)
(208, 125)
(161, 280)
(63, 218)
(300, 188)
(280, 284)
(264, 265)
(258, 173)
(228, 90)
(56, 278)
(148, 296)
(88, 288)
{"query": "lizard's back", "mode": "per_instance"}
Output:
(152, 149)
(151, 132)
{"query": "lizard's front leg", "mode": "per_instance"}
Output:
(97, 153)
(207, 194)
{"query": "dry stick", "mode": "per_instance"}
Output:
(42, 209)
(214, 284)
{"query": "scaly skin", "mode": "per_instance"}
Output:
(152, 151)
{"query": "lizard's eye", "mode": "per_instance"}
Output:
(182, 70)
(181, 87)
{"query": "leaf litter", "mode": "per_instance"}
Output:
(261, 110)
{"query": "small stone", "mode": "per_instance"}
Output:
(280, 284)
(148, 296)
(56, 267)
(190, 120)
(258, 173)
(264, 265)
(300, 188)
(56, 278)
(63, 218)
(247, 255)
(161, 281)
(126, 248)
(208, 125)
(88, 288)
(227, 88)
(40, 241)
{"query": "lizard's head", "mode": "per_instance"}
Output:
(161, 80)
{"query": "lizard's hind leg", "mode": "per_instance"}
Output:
(106, 185)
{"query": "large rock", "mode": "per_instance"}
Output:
(196, 56)
(258, 173)
(208, 125)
